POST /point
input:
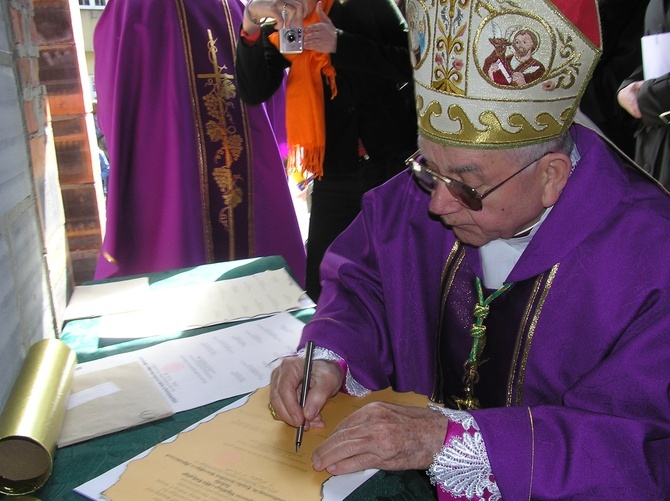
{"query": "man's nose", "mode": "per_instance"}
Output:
(442, 202)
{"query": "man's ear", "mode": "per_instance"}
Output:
(555, 170)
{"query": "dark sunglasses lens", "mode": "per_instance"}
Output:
(466, 195)
(425, 180)
(461, 192)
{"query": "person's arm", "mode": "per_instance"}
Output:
(259, 67)
(654, 101)
(627, 93)
(628, 98)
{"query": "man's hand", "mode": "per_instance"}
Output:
(285, 389)
(384, 436)
(260, 9)
(627, 98)
(321, 36)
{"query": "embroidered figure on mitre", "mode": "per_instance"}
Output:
(511, 62)
(416, 20)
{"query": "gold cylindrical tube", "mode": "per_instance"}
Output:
(32, 418)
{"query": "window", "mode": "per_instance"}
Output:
(92, 3)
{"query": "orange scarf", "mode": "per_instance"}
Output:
(305, 112)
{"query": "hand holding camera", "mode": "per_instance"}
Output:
(293, 39)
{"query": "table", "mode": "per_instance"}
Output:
(81, 462)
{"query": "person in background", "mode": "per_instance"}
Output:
(622, 24)
(349, 108)
(196, 174)
(648, 100)
(516, 274)
(102, 150)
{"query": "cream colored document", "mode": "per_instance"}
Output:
(179, 307)
(242, 453)
(107, 298)
(111, 400)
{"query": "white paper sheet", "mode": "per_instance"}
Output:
(180, 307)
(656, 55)
(106, 299)
(198, 370)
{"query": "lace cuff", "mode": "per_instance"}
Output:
(349, 384)
(462, 468)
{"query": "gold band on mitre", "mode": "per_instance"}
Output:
(499, 73)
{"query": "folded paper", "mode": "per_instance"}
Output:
(111, 400)
(656, 55)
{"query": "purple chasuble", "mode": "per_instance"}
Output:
(581, 410)
(196, 175)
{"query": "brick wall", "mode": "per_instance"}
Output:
(34, 276)
(62, 70)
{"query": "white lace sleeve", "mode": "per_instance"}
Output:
(462, 468)
(351, 386)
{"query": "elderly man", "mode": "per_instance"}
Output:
(517, 274)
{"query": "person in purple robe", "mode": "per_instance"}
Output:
(517, 274)
(197, 175)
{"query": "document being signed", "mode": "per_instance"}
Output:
(241, 454)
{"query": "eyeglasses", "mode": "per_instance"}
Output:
(464, 194)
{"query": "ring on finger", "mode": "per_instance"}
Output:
(273, 412)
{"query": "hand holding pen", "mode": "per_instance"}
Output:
(296, 402)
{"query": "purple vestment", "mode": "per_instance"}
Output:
(196, 175)
(588, 410)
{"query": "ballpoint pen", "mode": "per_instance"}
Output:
(309, 352)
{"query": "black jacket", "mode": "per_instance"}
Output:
(374, 103)
(375, 96)
(622, 24)
(652, 147)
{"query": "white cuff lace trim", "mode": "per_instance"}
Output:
(462, 467)
(352, 386)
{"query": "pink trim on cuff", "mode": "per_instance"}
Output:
(345, 369)
(454, 430)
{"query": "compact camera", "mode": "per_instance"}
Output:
(290, 39)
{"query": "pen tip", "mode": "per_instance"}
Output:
(297, 447)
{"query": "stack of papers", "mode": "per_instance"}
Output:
(176, 375)
(132, 309)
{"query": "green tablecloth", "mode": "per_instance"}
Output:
(77, 464)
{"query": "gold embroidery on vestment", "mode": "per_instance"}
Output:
(202, 155)
(446, 287)
(220, 128)
(531, 331)
(520, 339)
